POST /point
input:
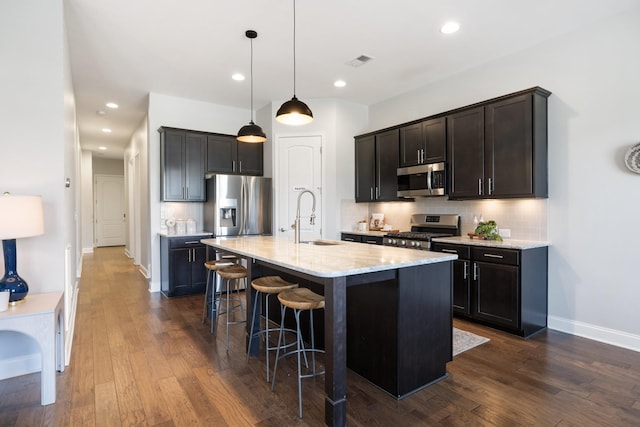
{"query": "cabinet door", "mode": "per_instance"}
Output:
(365, 168)
(198, 271)
(195, 150)
(411, 145)
(434, 133)
(497, 298)
(461, 287)
(387, 166)
(465, 138)
(180, 272)
(173, 157)
(509, 147)
(221, 153)
(250, 158)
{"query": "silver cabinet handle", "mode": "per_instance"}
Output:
(377, 192)
(476, 272)
(191, 242)
(493, 256)
(450, 251)
(349, 239)
(465, 273)
(418, 151)
(189, 252)
(422, 159)
(240, 166)
(233, 165)
(490, 186)
(371, 193)
(372, 242)
(480, 186)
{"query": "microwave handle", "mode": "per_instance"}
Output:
(429, 178)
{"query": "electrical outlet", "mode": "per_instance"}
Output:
(504, 232)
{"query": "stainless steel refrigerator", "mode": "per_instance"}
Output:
(238, 205)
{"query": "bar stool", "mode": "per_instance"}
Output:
(210, 298)
(267, 286)
(299, 299)
(234, 272)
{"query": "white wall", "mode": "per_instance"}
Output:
(181, 113)
(39, 150)
(108, 166)
(593, 204)
(86, 198)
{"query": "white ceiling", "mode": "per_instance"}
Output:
(123, 49)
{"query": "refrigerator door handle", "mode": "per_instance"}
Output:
(243, 206)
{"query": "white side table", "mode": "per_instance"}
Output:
(41, 316)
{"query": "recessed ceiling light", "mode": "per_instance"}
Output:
(100, 113)
(103, 148)
(106, 130)
(112, 105)
(450, 27)
(238, 77)
(339, 83)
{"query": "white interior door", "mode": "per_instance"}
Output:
(109, 209)
(298, 168)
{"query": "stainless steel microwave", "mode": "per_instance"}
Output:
(422, 180)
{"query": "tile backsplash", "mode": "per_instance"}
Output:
(178, 210)
(526, 218)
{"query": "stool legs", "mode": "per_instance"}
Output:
(230, 308)
(300, 349)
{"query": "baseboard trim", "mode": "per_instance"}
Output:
(87, 250)
(594, 332)
(72, 326)
(21, 365)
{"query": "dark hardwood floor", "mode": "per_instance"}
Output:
(140, 359)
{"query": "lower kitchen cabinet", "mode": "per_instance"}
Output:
(502, 288)
(361, 238)
(182, 265)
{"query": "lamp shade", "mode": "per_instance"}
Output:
(294, 112)
(251, 133)
(20, 216)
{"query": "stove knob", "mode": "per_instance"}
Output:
(403, 243)
(418, 245)
(413, 244)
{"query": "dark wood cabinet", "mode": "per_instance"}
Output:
(502, 288)
(362, 238)
(423, 142)
(377, 167)
(182, 167)
(499, 149)
(226, 155)
(182, 265)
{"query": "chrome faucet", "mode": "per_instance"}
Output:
(312, 218)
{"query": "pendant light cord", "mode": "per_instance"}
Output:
(294, 48)
(251, 80)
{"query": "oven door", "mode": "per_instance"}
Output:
(422, 180)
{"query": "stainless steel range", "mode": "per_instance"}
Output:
(424, 227)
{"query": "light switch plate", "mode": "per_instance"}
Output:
(504, 232)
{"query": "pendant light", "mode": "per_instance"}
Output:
(251, 132)
(294, 112)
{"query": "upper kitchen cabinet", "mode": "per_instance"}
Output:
(182, 169)
(423, 142)
(376, 167)
(226, 155)
(498, 149)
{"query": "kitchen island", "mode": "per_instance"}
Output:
(399, 308)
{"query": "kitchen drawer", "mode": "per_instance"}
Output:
(463, 252)
(495, 255)
(352, 237)
(372, 240)
(187, 241)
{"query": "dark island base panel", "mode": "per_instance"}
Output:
(387, 341)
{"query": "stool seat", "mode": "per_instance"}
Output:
(234, 271)
(301, 299)
(272, 285)
(217, 264)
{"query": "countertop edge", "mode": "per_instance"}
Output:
(506, 243)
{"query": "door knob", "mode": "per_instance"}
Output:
(282, 230)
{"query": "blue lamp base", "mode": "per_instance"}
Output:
(11, 281)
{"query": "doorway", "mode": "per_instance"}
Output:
(299, 167)
(110, 217)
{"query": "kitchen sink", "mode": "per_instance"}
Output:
(320, 242)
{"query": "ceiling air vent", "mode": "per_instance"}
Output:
(359, 61)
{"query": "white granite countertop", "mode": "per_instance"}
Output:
(506, 243)
(341, 259)
(199, 233)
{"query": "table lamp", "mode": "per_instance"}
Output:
(20, 216)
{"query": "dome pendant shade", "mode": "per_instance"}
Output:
(251, 133)
(294, 112)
